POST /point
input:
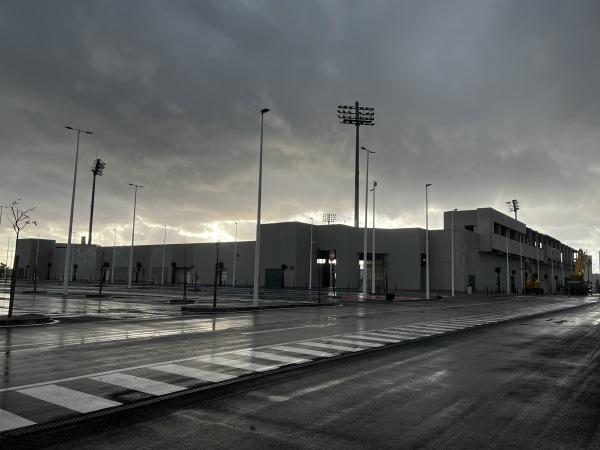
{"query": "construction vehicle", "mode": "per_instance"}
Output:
(574, 282)
(532, 285)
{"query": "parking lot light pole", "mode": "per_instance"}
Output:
(426, 243)
(6, 266)
(234, 253)
(112, 272)
(311, 257)
(65, 287)
(452, 252)
(257, 245)
(365, 255)
(162, 270)
(373, 249)
(136, 186)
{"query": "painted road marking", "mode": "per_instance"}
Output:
(252, 367)
(139, 384)
(8, 421)
(368, 337)
(304, 351)
(350, 341)
(69, 398)
(192, 372)
(442, 326)
(394, 336)
(271, 356)
(420, 332)
(410, 334)
(330, 346)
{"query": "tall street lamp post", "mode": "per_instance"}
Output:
(257, 249)
(507, 266)
(452, 252)
(162, 270)
(537, 253)
(6, 266)
(365, 256)
(373, 249)
(136, 186)
(112, 272)
(355, 115)
(234, 253)
(426, 243)
(68, 252)
(311, 257)
(37, 252)
(521, 262)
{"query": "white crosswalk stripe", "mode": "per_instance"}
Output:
(139, 384)
(411, 334)
(421, 330)
(9, 421)
(396, 337)
(252, 367)
(442, 326)
(348, 340)
(304, 351)
(69, 398)
(192, 372)
(271, 356)
(370, 337)
(330, 346)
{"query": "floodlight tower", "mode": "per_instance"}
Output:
(97, 168)
(329, 217)
(513, 206)
(355, 115)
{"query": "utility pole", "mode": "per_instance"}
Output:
(355, 115)
(97, 168)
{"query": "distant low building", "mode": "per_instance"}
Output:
(482, 239)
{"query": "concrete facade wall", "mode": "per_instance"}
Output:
(481, 239)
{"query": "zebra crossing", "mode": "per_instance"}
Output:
(29, 406)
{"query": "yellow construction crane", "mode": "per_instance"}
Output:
(532, 286)
(574, 282)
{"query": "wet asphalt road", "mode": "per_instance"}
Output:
(133, 334)
(530, 383)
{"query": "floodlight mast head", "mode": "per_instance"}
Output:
(513, 206)
(329, 217)
(98, 167)
(353, 115)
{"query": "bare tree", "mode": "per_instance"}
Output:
(19, 219)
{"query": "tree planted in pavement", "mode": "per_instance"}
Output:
(19, 219)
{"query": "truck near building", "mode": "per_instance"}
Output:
(574, 283)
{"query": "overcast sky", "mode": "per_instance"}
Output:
(488, 100)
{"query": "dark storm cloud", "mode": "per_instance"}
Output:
(484, 99)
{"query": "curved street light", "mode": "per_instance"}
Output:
(426, 243)
(257, 245)
(365, 255)
(68, 252)
(133, 232)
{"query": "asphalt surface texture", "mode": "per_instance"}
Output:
(464, 372)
